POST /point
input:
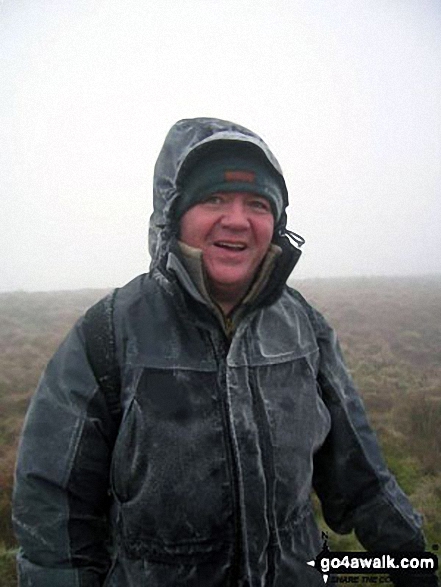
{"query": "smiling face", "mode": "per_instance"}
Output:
(234, 231)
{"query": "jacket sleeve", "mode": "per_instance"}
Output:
(356, 490)
(60, 500)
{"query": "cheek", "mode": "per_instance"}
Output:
(264, 234)
(184, 232)
(191, 229)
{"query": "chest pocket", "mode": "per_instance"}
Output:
(170, 472)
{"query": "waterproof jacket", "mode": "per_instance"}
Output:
(207, 480)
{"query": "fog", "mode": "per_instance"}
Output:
(347, 94)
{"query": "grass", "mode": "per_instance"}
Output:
(8, 577)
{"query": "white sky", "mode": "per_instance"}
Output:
(346, 92)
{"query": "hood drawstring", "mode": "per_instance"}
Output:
(296, 238)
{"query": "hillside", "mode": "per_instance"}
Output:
(390, 332)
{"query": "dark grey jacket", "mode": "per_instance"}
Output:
(221, 442)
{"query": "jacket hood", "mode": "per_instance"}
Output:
(182, 146)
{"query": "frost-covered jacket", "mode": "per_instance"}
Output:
(222, 440)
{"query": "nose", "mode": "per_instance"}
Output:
(235, 216)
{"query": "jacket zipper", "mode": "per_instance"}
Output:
(269, 472)
(232, 460)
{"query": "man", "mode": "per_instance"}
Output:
(235, 404)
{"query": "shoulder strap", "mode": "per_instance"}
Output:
(99, 333)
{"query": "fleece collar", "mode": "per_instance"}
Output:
(195, 281)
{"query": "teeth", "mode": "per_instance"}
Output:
(233, 246)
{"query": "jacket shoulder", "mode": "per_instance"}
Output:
(316, 318)
(133, 290)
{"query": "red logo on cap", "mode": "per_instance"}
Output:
(249, 176)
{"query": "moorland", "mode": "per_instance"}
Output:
(390, 333)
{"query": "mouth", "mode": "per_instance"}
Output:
(231, 246)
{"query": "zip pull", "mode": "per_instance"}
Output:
(229, 327)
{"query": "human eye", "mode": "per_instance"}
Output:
(213, 199)
(260, 204)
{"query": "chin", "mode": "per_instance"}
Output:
(230, 279)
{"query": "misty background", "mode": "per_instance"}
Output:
(347, 95)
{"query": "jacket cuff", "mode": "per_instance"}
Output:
(31, 575)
